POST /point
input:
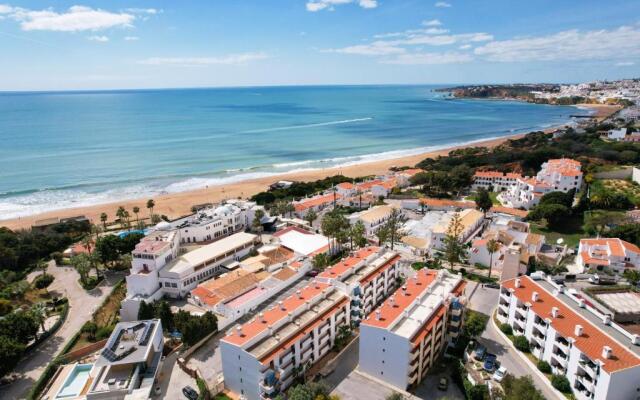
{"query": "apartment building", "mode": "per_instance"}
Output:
(607, 254)
(261, 357)
(471, 221)
(315, 203)
(600, 359)
(157, 268)
(494, 181)
(372, 219)
(211, 224)
(126, 367)
(401, 339)
(367, 275)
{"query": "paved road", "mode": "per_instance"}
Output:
(81, 305)
(481, 299)
(172, 379)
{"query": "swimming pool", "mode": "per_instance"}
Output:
(75, 382)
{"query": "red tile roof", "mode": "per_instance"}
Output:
(592, 340)
(315, 201)
(337, 270)
(430, 202)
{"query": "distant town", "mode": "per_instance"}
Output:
(497, 272)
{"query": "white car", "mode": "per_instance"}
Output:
(499, 375)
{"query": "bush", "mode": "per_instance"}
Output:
(57, 257)
(104, 332)
(544, 367)
(561, 383)
(506, 329)
(521, 343)
(90, 283)
(43, 281)
(5, 307)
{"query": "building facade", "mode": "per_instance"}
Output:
(600, 359)
(607, 254)
(401, 339)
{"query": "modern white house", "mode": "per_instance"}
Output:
(600, 358)
(607, 254)
(401, 339)
(158, 268)
(615, 134)
(125, 369)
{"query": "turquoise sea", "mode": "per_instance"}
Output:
(67, 149)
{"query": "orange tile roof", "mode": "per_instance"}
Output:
(429, 325)
(375, 273)
(213, 291)
(345, 185)
(284, 274)
(431, 202)
(403, 298)
(337, 270)
(303, 332)
(592, 340)
(271, 316)
(617, 247)
(368, 185)
(510, 211)
(496, 174)
(316, 201)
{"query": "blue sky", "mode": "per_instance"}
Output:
(153, 44)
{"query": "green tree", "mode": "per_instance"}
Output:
(11, 352)
(19, 325)
(309, 391)
(454, 249)
(136, 210)
(474, 323)
(256, 224)
(632, 275)
(520, 388)
(492, 247)
(81, 264)
(39, 314)
(90, 328)
(103, 219)
(561, 383)
(395, 226)
(544, 367)
(146, 311)
(311, 216)
(357, 235)
(108, 249)
(150, 205)
(320, 261)
(554, 214)
(334, 225)
(521, 343)
(483, 200)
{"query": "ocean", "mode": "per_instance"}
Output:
(70, 149)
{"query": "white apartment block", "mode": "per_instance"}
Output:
(471, 220)
(372, 219)
(600, 359)
(403, 337)
(367, 275)
(494, 181)
(557, 175)
(157, 268)
(211, 224)
(259, 358)
(607, 254)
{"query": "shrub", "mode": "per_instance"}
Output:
(521, 343)
(5, 307)
(43, 281)
(561, 383)
(544, 367)
(506, 329)
(104, 332)
(57, 257)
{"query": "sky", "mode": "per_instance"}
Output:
(120, 44)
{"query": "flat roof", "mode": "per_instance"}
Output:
(374, 214)
(621, 302)
(595, 334)
(301, 241)
(209, 252)
(129, 343)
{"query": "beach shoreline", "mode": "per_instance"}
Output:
(177, 204)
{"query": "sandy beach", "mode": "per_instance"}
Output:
(177, 204)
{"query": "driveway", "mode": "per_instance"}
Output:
(82, 304)
(481, 298)
(172, 379)
(207, 360)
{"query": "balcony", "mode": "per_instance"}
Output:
(562, 345)
(456, 312)
(587, 382)
(538, 339)
(541, 325)
(588, 366)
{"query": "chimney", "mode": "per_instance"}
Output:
(606, 320)
(299, 294)
(404, 290)
(261, 316)
(239, 330)
(392, 301)
(606, 352)
(534, 296)
(635, 339)
(581, 303)
(281, 305)
(578, 330)
(315, 284)
(555, 311)
(378, 315)
(518, 282)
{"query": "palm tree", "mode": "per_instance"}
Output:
(42, 265)
(150, 205)
(81, 264)
(120, 214)
(136, 210)
(310, 217)
(103, 219)
(256, 224)
(492, 247)
(39, 313)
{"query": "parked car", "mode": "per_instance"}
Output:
(190, 393)
(480, 352)
(603, 280)
(313, 273)
(489, 362)
(492, 285)
(499, 375)
(443, 384)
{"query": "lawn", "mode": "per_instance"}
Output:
(492, 195)
(628, 188)
(571, 232)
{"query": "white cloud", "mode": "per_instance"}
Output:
(433, 22)
(623, 42)
(96, 38)
(5, 9)
(465, 47)
(152, 11)
(440, 40)
(318, 5)
(131, 38)
(442, 4)
(230, 59)
(75, 19)
(430, 58)
(379, 48)
(625, 64)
